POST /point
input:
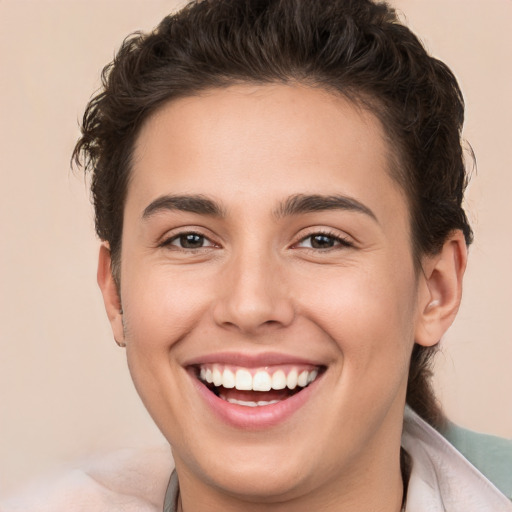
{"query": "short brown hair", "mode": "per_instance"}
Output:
(357, 48)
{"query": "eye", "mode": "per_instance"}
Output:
(189, 241)
(323, 241)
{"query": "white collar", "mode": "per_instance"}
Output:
(441, 479)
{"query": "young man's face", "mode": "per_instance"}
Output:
(266, 245)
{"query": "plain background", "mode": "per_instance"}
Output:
(65, 391)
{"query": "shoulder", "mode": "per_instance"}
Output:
(127, 480)
(491, 455)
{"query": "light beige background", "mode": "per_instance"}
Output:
(64, 388)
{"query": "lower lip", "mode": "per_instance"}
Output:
(254, 418)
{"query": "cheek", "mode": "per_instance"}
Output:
(161, 307)
(368, 314)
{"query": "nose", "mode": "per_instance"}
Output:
(253, 296)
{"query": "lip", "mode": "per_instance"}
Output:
(252, 418)
(252, 360)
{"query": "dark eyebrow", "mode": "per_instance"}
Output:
(186, 203)
(302, 203)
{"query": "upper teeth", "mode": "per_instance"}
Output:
(262, 379)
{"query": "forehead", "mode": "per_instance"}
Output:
(242, 140)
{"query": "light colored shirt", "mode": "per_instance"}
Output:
(441, 479)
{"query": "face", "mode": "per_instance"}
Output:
(269, 296)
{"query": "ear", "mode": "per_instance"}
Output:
(110, 293)
(440, 290)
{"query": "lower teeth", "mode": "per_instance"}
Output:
(251, 404)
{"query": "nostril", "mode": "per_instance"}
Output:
(271, 323)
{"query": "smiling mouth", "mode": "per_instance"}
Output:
(256, 387)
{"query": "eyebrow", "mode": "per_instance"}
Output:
(293, 205)
(301, 203)
(186, 203)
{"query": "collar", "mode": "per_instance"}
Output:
(172, 494)
(441, 479)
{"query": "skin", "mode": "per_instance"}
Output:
(257, 285)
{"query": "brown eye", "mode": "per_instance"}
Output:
(323, 241)
(190, 241)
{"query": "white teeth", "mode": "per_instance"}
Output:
(217, 376)
(262, 381)
(243, 380)
(228, 379)
(291, 380)
(302, 379)
(279, 380)
(251, 404)
(242, 402)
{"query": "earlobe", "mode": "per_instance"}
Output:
(110, 293)
(441, 290)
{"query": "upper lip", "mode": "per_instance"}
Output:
(251, 360)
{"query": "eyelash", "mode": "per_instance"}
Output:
(338, 241)
(169, 241)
